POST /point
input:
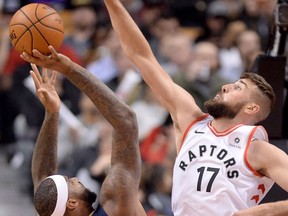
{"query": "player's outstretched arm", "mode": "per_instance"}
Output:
(44, 159)
(178, 102)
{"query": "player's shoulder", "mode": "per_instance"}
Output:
(257, 132)
(264, 151)
(263, 155)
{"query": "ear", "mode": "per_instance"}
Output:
(72, 203)
(252, 108)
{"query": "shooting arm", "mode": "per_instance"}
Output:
(116, 112)
(124, 176)
(112, 108)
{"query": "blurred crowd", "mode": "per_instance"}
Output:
(202, 44)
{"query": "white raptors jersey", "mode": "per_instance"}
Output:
(211, 173)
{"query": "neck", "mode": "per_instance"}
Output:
(222, 124)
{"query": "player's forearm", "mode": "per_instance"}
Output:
(138, 49)
(279, 208)
(116, 112)
(44, 160)
(112, 108)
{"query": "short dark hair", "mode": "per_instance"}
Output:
(45, 197)
(263, 86)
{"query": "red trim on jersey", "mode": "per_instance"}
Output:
(189, 126)
(246, 150)
(222, 133)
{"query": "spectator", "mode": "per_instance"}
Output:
(84, 20)
(177, 49)
(201, 77)
(249, 45)
(105, 55)
(216, 20)
(156, 146)
(150, 113)
(230, 59)
(258, 16)
(85, 135)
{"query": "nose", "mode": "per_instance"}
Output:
(226, 88)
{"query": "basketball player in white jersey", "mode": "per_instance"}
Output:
(224, 165)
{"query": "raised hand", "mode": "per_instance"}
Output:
(45, 88)
(55, 61)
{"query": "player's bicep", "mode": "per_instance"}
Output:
(273, 163)
(278, 168)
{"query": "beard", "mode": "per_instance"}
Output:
(219, 109)
(88, 196)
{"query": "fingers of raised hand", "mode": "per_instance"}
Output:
(36, 80)
(36, 71)
(53, 77)
(42, 94)
(45, 78)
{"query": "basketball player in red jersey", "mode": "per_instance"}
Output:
(225, 165)
(57, 195)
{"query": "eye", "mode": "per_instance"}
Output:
(237, 87)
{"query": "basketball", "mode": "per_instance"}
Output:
(36, 26)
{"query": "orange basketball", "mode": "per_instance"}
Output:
(36, 26)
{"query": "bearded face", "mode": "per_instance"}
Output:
(88, 196)
(220, 109)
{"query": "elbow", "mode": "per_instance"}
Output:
(130, 123)
(135, 54)
(132, 120)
